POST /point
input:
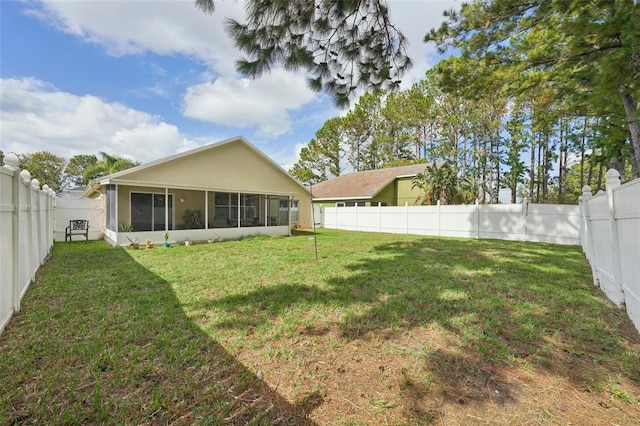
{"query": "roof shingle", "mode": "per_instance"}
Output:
(364, 184)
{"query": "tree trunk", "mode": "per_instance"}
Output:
(489, 171)
(618, 164)
(634, 167)
(532, 168)
(545, 168)
(600, 172)
(498, 177)
(631, 109)
(562, 164)
(539, 173)
(582, 149)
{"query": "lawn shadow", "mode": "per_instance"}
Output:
(506, 304)
(503, 304)
(92, 347)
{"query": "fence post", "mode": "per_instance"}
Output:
(45, 189)
(406, 217)
(27, 232)
(585, 239)
(50, 219)
(612, 182)
(335, 216)
(42, 226)
(477, 219)
(438, 214)
(525, 207)
(33, 231)
(356, 210)
(588, 234)
(379, 216)
(11, 162)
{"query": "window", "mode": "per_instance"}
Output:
(351, 204)
(250, 208)
(294, 210)
(148, 211)
(284, 211)
(226, 210)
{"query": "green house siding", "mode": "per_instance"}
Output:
(387, 195)
(325, 203)
(405, 192)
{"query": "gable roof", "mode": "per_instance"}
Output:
(122, 176)
(363, 185)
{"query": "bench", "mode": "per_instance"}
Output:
(77, 227)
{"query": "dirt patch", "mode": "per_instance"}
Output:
(420, 377)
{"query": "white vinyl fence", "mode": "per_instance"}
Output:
(610, 238)
(91, 209)
(558, 224)
(26, 233)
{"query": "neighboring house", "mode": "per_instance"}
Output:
(72, 192)
(387, 187)
(224, 190)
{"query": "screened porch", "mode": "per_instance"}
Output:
(148, 213)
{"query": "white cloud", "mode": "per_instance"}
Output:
(245, 103)
(290, 159)
(37, 117)
(137, 27)
(177, 27)
(415, 18)
(78, 124)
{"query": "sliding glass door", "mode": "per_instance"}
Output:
(148, 211)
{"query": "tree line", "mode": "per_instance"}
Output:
(61, 174)
(539, 148)
(539, 97)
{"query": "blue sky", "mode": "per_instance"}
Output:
(147, 79)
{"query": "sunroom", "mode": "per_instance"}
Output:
(221, 191)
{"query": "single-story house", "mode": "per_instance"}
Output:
(72, 192)
(224, 190)
(387, 187)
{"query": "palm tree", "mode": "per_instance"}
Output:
(438, 183)
(107, 165)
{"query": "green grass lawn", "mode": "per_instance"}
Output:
(379, 329)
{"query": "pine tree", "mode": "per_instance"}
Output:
(343, 45)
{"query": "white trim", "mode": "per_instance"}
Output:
(206, 209)
(162, 185)
(340, 198)
(117, 208)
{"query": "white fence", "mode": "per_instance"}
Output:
(90, 209)
(558, 224)
(610, 238)
(26, 233)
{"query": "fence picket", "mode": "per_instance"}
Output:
(26, 222)
(610, 235)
